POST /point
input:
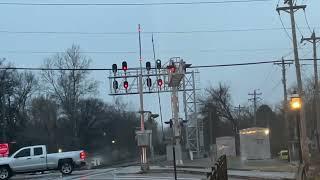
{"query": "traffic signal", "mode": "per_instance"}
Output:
(114, 68)
(124, 65)
(160, 82)
(148, 66)
(149, 83)
(115, 84)
(125, 84)
(172, 68)
(158, 64)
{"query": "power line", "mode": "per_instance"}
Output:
(146, 32)
(56, 52)
(134, 52)
(132, 4)
(307, 22)
(301, 34)
(235, 64)
(107, 69)
(284, 28)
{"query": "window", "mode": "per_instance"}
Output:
(37, 151)
(23, 153)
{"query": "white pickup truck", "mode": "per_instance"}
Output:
(35, 159)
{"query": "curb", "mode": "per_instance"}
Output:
(205, 174)
(232, 169)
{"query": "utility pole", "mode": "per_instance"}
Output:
(158, 88)
(255, 99)
(144, 165)
(314, 40)
(238, 109)
(291, 9)
(285, 104)
(285, 96)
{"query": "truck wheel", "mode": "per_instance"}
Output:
(4, 173)
(66, 168)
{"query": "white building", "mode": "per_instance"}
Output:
(226, 145)
(254, 143)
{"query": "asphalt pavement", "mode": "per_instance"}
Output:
(127, 173)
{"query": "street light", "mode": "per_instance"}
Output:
(295, 105)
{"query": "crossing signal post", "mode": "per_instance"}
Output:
(170, 123)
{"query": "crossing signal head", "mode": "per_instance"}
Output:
(158, 64)
(172, 68)
(148, 66)
(124, 65)
(160, 82)
(149, 82)
(115, 84)
(114, 68)
(125, 84)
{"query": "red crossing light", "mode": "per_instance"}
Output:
(125, 84)
(124, 65)
(172, 68)
(160, 82)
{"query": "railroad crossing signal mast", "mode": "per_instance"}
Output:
(176, 72)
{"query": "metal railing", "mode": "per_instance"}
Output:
(220, 170)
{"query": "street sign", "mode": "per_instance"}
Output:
(4, 150)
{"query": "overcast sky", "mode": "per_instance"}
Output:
(195, 48)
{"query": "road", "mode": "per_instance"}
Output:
(108, 173)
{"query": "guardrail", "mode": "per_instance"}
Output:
(220, 170)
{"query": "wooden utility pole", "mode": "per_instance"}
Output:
(285, 102)
(314, 40)
(291, 9)
(285, 96)
(255, 99)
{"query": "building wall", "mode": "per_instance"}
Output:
(226, 145)
(254, 144)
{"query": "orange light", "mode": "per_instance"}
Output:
(295, 103)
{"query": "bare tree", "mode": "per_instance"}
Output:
(44, 116)
(16, 89)
(220, 99)
(69, 86)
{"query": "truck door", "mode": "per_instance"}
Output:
(39, 158)
(22, 160)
